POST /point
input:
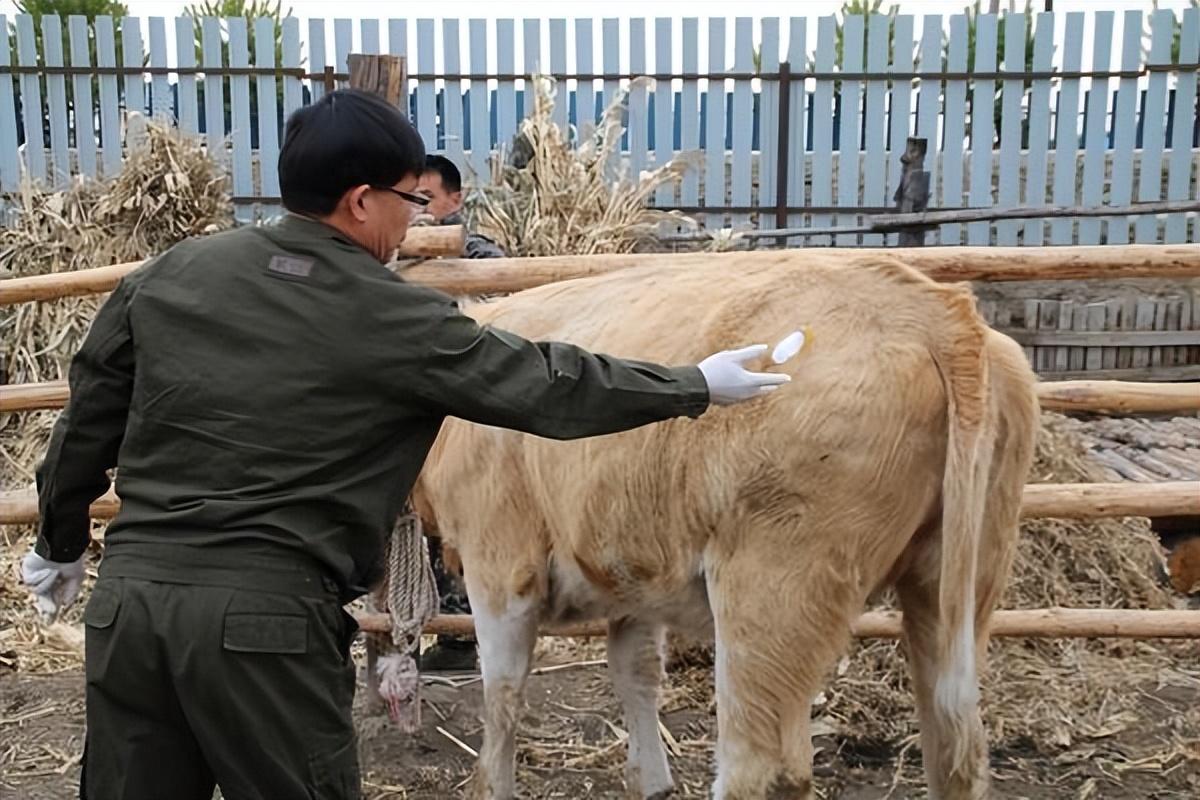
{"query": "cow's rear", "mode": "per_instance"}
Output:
(896, 456)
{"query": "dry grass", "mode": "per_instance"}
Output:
(166, 191)
(570, 198)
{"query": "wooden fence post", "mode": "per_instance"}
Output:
(783, 154)
(913, 192)
(382, 75)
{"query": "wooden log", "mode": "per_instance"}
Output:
(1122, 466)
(425, 241)
(1190, 372)
(1113, 397)
(499, 275)
(383, 75)
(1056, 623)
(1119, 397)
(21, 507)
(1097, 500)
(33, 396)
(433, 241)
(1065, 500)
(946, 264)
(64, 284)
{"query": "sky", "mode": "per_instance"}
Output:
(623, 10)
(489, 9)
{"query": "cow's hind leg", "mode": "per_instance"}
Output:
(780, 625)
(635, 664)
(953, 742)
(506, 629)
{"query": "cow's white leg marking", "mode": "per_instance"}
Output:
(635, 665)
(506, 642)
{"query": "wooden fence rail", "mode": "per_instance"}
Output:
(1035, 622)
(499, 275)
(1065, 500)
(1098, 500)
(421, 242)
(1118, 397)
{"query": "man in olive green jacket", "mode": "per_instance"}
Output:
(268, 396)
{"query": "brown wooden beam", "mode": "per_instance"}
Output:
(33, 396)
(1098, 500)
(424, 241)
(1119, 397)
(383, 75)
(1056, 623)
(1065, 500)
(947, 264)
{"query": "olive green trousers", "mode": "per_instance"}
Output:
(241, 677)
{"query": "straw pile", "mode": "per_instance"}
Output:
(571, 196)
(167, 190)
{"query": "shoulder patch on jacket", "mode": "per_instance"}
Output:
(291, 266)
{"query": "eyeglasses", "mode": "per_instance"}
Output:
(415, 199)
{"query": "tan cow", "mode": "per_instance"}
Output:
(896, 456)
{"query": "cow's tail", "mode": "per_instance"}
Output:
(963, 360)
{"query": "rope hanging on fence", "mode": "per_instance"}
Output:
(412, 599)
(412, 595)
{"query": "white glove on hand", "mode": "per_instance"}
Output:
(728, 382)
(55, 585)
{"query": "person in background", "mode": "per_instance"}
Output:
(441, 182)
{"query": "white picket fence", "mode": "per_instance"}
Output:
(1063, 138)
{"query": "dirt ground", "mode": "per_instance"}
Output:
(572, 747)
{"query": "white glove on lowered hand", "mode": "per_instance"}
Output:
(729, 382)
(54, 585)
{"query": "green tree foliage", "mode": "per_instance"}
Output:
(1178, 25)
(250, 10)
(68, 8)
